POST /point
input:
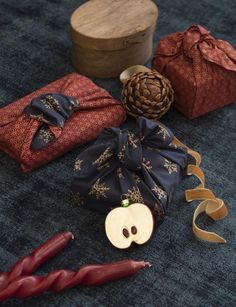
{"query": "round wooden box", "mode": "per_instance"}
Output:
(110, 35)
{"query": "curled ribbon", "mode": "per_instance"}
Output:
(211, 205)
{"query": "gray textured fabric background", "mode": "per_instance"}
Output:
(34, 50)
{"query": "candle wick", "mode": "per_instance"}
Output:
(148, 264)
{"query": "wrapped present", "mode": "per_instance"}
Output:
(202, 70)
(142, 166)
(56, 118)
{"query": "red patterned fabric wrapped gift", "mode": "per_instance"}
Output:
(97, 110)
(202, 70)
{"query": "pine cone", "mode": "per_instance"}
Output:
(147, 94)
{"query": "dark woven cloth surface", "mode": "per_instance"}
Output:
(35, 50)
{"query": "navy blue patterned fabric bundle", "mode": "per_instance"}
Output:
(143, 166)
(52, 110)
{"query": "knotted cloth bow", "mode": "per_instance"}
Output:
(52, 110)
(196, 41)
(145, 166)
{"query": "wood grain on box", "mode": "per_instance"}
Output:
(108, 36)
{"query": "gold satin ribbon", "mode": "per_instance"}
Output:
(211, 205)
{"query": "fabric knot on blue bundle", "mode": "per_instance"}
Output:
(52, 110)
(142, 165)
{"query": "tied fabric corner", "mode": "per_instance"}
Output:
(52, 110)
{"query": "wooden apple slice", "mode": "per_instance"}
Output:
(125, 225)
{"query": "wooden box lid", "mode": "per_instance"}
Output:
(113, 24)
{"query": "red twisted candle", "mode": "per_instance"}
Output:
(28, 264)
(61, 279)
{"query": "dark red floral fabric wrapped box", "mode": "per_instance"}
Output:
(97, 110)
(202, 70)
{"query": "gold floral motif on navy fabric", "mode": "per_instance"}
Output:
(103, 157)
(163, 132)
(132, 140)
(77, 165)
(39, 117)
(147, 164)
(51, 103)
(160, 193)
(121, 154)
(134, 195)
(158, 211)
(74, 105)
(46, 135)
(104, 165)
(99, 189)
(79, 200)
(120, 174)
(170, 166)
(136, 178)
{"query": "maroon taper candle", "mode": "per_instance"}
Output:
(59, 280)
(28, 264)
